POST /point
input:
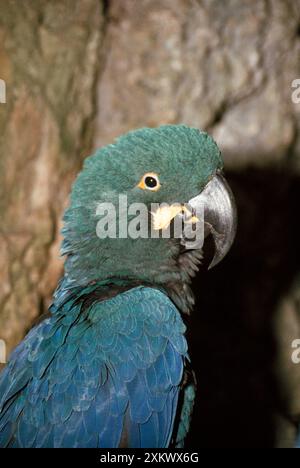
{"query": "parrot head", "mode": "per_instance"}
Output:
(170, 172)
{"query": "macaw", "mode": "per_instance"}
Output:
(109, 365)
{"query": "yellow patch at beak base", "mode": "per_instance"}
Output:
(163, 216)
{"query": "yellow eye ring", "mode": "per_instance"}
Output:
(149, 181)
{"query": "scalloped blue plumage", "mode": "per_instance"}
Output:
(114, 364)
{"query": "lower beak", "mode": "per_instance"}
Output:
(217, 204)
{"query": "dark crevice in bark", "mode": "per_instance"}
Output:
(105, 46)
(233, 342)
(105, 7)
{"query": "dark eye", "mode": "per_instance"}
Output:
(149, 181)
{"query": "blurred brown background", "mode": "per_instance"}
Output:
(80, 72)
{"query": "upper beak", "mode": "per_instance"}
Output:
(220, 215)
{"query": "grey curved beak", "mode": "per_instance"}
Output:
(218, 206)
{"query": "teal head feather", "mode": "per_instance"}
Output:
(184, 159)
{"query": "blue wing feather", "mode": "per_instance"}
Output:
(297, 445)
(96, 376)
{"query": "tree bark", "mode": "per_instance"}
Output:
(79, 73)
(49, 59)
